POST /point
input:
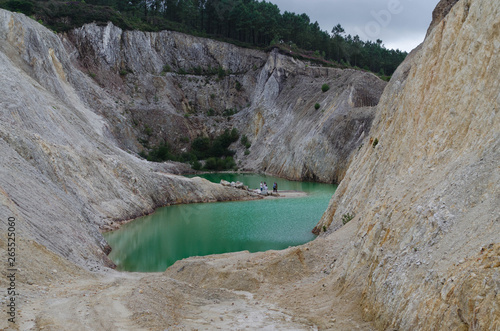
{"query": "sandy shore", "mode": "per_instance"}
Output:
(285, 194)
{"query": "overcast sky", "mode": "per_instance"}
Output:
(400, 24)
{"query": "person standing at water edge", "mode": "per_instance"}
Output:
(275, 187)
(261, 186)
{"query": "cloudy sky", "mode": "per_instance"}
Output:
(400, 24)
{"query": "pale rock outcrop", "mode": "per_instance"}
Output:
(239, 185)
(290, 138)
(111, 48)
(165, 82)
(439, 13)
(225, 183)
(426, 197)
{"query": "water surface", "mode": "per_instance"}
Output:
(156, 241)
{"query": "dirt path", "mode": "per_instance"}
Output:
(97, 303)
(134, 301)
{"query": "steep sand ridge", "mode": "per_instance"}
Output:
(427, 197)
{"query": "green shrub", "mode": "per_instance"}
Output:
(239, 87)
(216, 152)
(346, 218)
(221, 143)
(143, 142)
(196, 165)
(161, 153)
(324, 228)
(375, 143)
(211, 163)
(247, 152)
(221, 73)
(166, 68)
(229, 163)
(200, 147)
(123, 72)
(229, 112)
(325, 87)
(218, 149)
(210, 112)
(197, 70)
(218, 164)
(187, 157)
(147, 130)
(234, 135)
(244, 141)
(316, 106)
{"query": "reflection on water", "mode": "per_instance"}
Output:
(154, 242)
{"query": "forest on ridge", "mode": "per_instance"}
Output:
(249, 23)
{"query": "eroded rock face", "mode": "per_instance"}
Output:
(273, 94)
(62, 173)
(442, 9)
(166, 82)
(426, 197)
(292, 139)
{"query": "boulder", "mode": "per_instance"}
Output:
(225, 183)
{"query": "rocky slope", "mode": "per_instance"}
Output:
(62, 173)
(164, 83)
(290, 137)
(427, 197)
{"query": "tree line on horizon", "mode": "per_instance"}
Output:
(250, 23)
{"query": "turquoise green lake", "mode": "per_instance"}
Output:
(154, 242)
